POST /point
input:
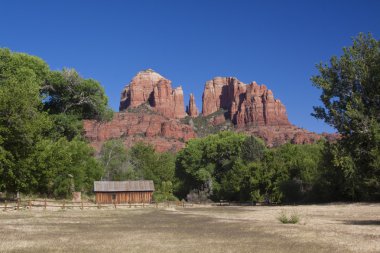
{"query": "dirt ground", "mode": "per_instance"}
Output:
(322, 228)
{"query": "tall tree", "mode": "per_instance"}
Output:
(63, 166)
(22, 124)
(351, 97)
(38, 142)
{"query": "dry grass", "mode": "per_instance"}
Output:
(322, 228)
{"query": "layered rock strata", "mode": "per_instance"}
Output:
(152, 88)
(163, 133)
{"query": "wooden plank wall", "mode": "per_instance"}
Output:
(124, 197)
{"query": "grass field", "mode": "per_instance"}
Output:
(322, 228)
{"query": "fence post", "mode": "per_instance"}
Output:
(5, 205)
(45, 204)
(63, 204)
(18, 204)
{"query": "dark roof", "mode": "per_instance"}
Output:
(123, 186)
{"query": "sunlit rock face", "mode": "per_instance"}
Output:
(152, 88)
(250, 104)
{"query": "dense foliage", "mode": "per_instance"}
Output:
(66, 92)
(236, 167)
(41, 146)
(351, 97)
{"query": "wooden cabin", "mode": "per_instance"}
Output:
(108, 192)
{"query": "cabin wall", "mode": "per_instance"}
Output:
(123, 197)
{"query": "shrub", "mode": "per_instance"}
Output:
(284, 218)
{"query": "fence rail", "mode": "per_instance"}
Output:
(54, 204)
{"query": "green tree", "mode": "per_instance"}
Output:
(69, 126)
(159, 167)
(67, 92)
(294, 169)
(204, 163)
(22, 124)
(63, 166)
(350, 94)
(39, 150)
(253, 149)
(235, 183)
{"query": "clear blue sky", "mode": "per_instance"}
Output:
(276, 43)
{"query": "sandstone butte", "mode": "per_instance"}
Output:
(151, 111)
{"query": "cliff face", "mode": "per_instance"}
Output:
(152, 88)
(250, 104)
(150, 111)
(163, 133)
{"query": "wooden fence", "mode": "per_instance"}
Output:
(46, 204)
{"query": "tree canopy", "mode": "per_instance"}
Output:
(237, 167)
(350, 87)
(67, 92)
(41, 143)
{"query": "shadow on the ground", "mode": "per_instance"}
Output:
(363, 222)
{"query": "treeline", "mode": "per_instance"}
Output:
(236, 167)
(227, 165)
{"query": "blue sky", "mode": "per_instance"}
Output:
(277, 43)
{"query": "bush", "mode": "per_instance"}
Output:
(161, 197)
(284, 218)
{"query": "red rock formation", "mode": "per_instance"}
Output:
(154, 108)
(150, 87)
(165, 134)
(246, 104)
(192, 109)
(221, 93)
(167, 101)
(259, 108)
(138, 91)
(253, 110)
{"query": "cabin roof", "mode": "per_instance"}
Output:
(123, 186)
